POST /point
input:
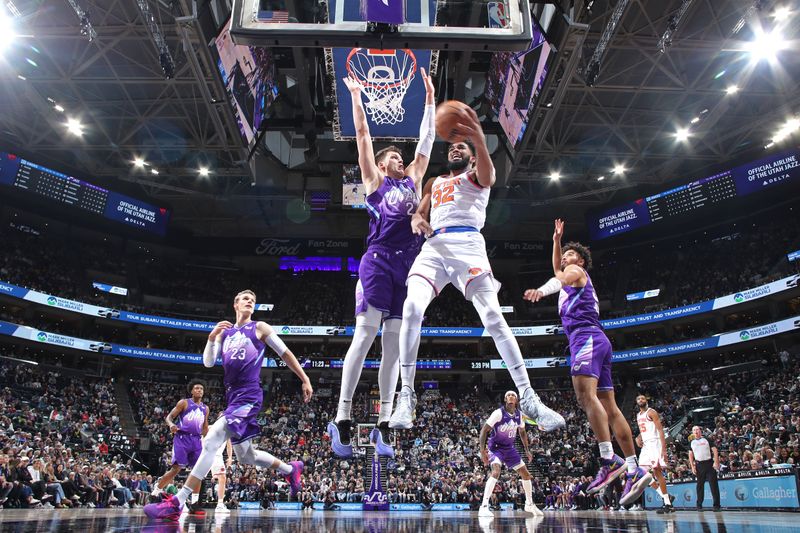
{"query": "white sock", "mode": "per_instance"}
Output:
(606, 450)
(284, 468)
(528, 488)
(248, 454)
(488, 307)
(665, 497)
(419, 296)
(389, 372)
(194, 497)
(487, 491)
(184, 495)
(630, 462)
(367, 324)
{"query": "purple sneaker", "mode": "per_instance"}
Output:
(610, 469)
(293, 478)
(168, 509)
(635, 484)
(381, 447)
(341, 450)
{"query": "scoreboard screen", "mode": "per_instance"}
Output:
(61, 188)
(684, 199)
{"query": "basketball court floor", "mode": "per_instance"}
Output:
(113, 520)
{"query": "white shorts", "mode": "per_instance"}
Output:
(218, 466)
(650, 456)
(457, 258)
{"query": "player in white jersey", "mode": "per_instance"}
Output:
(455, 252)
(654, 448)
(219, 470)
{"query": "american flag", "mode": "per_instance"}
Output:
(273, 16)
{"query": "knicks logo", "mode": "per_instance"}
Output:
(474, 271)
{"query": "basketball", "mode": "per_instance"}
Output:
(448, 115)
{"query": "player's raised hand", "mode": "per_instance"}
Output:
(429, 91)
(219, 328)
(558, 232)
(420, 226)
(353, 85)
(533, 295)
(308, 391)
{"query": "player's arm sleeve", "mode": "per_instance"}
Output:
(277, 345)
(211, 352)
(494, 418)
(427, 131)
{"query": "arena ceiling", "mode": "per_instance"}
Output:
(115, 86)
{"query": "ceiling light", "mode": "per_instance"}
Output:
(555, 175)
(58, 108)
(74, 126)
(732, 89)
(601, 178)
(682, 134)
(154, 172)
(619, 169)
(786, 130)
(7, 34)
(695, 120)
(139, 162)
(204, 172)
(20, 76)
(781, 13)
(765, 45)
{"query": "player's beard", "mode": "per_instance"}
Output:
(457, 166)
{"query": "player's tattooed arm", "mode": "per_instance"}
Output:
(472, 130)
(485, 430)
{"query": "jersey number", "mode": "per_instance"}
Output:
(643, 427)
(239, 354)
(443, 195)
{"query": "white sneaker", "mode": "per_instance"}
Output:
(403, 415)
(531, 508)
(156, 492)
(48, 505)
(76, 497)
(485, 512)
(531, 406)
(126, 506)
(220, 508)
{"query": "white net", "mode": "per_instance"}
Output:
(386, 76)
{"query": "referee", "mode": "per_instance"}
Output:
(703, 467)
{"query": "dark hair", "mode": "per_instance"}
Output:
(381, 154)
(465, 141)
(194, 382)
(582, 251)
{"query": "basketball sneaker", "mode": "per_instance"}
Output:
(610, 469)
(220, 508)
(666, 509)
(293, 477)
(636, 482)
(531, 508)
(485, 512)
(340, 433)
(403, 415)
(381, 447)
(168, 509)
(531, 406)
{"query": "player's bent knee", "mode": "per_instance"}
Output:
(244, 451)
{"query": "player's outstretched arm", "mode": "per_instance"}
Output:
(427, 134)
(471, 127)
(271, 339)
(558, 233)
(213, 346)
(176, 411)
(419, 220)
(366, 156)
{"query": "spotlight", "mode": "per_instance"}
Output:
(203, 172)
(781, 13)
(682, 134)
(555, 175)
(765, 46)
(58, 108)
(791, 126)
(139, 162)
(619, 169)
(601, 178)
(154, 172)
(74, 126)
(695, 120)
(732, 89)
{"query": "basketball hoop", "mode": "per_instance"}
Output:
(385, 76)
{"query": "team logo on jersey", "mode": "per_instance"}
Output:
(474, 271)
(235, 342)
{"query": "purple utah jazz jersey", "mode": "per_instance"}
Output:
(390, 208)
(192, 418)
(242, 355)
(504, 428)
(579, 307)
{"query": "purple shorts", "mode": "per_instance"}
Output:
(241, 415)
(591, 356)
(186, 448)
(382, 281)
(508, 456)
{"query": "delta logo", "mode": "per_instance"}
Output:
(41, 336)
(738, 297)
(51, 300)
(744, 335)
(474, 271)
